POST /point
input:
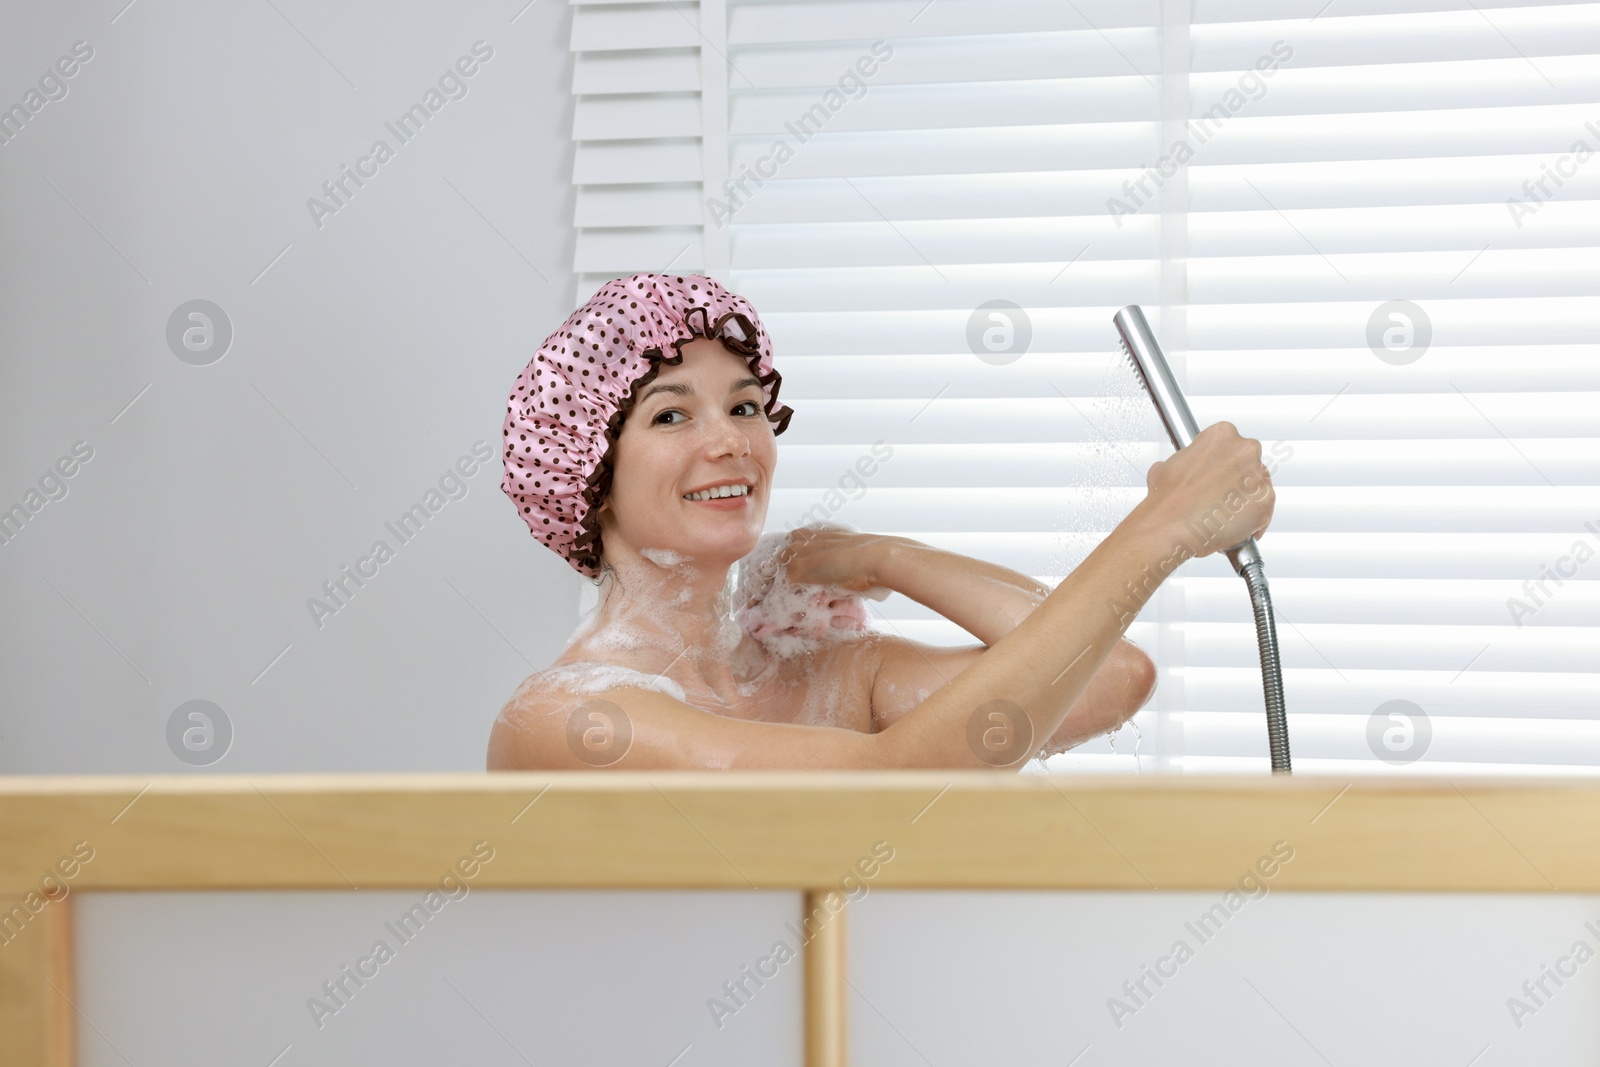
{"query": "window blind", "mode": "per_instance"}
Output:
(1365, 232)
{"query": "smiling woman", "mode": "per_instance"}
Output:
(641, 447)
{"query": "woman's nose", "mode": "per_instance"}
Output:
(727, 438)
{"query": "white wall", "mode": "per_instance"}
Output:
(364, 362)
(1376, 979)
(500, 977)
(493, 978)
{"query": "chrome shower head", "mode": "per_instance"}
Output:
(1140, 346)
(1144, 353)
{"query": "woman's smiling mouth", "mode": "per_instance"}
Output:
(724, 497)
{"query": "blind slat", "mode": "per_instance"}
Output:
(640, 116)
(832, 20)
(675, 70)
(606, 28)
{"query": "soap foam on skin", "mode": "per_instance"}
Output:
(669, 560)
(785, 621)
(665, 558)
(587, 677)
(822, 704)
(636, 629)
(620, 636)
(790, 618)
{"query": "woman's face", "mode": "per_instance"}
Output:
(698, 424)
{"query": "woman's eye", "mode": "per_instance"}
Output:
(754, 409)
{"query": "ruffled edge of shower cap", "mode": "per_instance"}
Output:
(578, 428)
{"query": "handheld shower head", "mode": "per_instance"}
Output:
(1139, 344)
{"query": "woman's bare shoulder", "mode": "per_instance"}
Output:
(584, 678)
(515, 743)
(530, 733)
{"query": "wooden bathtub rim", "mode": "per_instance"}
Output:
(805, 830)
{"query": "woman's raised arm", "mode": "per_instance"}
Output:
(988, 601)
(1207, 497)
(983, 598)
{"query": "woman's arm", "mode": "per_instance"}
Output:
(984, 599)
(908, 671)
(1208, 496)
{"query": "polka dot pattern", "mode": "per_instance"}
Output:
(567, 406)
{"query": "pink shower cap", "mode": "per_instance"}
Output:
(567, 406)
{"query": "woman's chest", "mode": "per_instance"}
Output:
(831, 688)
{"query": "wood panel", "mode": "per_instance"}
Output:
(968, 829)
(825, 920)
(36, 1017)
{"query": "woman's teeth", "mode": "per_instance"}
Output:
(719, 491)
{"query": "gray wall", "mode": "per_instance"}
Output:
(364, 362)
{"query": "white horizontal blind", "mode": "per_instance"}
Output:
(1371, 162)
(1424, 488)
(637, 124)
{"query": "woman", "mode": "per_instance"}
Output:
(640, 445)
